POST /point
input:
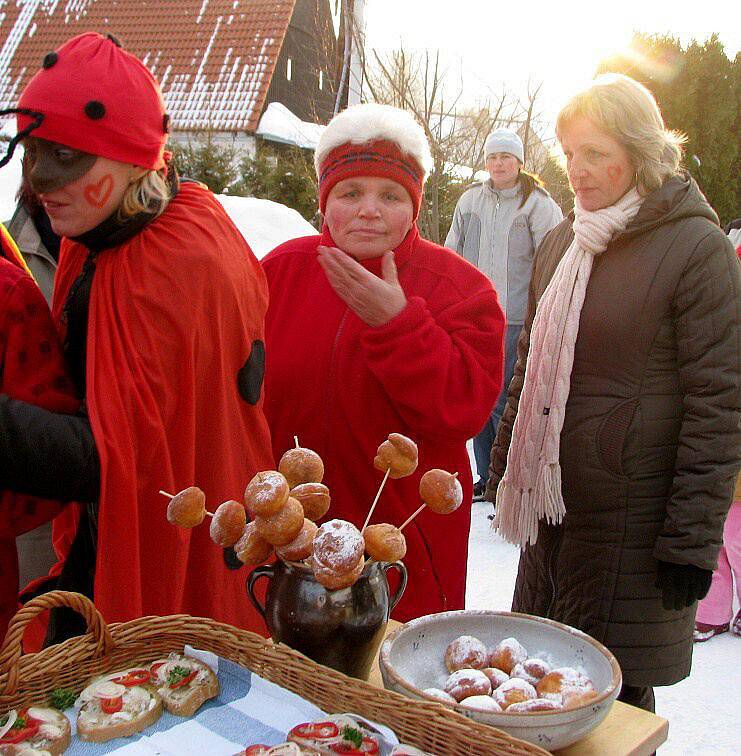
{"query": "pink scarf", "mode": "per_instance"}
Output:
(531, 487)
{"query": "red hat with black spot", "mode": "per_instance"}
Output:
(95, 97)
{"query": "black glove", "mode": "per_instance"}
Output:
(682, 584)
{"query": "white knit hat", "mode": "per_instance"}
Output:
(504, 140)
(371, 122)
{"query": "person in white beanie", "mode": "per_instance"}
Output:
(497, 225)
(372, 330)
(615, 460)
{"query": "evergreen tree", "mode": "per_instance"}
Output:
(203, 159)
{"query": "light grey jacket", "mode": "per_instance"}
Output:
(499, 237)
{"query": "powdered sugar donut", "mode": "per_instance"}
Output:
(531, 670)
(187, 508)
(534, 704)
(513, 691)
(439, 695)
(398, 454)
(385, 542)
(506, 654)
(465, 652)
(228, 523)
(467, 682)
(496, 676)
(250, 548)
(441, 491)
(562, 680)
(338, 546)
(283, 526)
(314, 498)
(301, 466)
(266, 493)
(301, 546)
(482, 703)
(332, 579)
(572, 698)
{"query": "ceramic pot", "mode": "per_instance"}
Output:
(341, 629)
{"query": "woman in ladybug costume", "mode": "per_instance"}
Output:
(160, 304)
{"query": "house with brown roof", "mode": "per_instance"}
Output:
(220, 63)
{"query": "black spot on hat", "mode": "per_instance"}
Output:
(49, 59)
(115, 40)
(166, 123)
(95, 110)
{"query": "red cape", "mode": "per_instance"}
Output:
(173, 316)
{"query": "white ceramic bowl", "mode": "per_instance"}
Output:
(412, 658)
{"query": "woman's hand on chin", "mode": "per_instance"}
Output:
(374, 300)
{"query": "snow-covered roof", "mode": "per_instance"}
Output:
(279, 124)
(213, 58)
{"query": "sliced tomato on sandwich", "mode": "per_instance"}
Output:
(111, 705)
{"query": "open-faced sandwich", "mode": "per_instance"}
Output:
(184, 683)
(34, 730)
(117, 709)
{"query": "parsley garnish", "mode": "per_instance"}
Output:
(177, 674)
(61, 698)
(19, 724)
(352, 734)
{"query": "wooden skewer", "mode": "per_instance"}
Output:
(409, 519)
(295, 441)
(170, 496)
(375, 501)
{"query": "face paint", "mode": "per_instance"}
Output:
(614, 172)
(48, 166)
(97, 194)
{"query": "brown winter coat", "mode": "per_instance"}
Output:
(650, 441)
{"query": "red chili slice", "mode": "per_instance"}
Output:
(316, 730)
(184, 681)
(134, 677)
(256, 750)
(111, 705)
(153, 669)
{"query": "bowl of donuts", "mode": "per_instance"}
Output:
(534, 678)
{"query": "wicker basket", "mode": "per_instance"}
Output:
(26, 680)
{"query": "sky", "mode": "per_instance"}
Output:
(490, 44)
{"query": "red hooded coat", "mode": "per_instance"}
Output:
(175, 313)
(432, 373)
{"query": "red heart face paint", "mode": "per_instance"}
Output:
(598, 164)
(97, 194)
(81, 205)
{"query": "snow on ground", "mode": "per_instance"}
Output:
(704, 711)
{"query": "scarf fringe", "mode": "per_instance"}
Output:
(517, 520)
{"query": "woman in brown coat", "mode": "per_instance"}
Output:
(621, 438)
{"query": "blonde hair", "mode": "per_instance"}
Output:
(627, 110)
(150, 193)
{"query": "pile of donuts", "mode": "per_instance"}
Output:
(284, 504)
(506, 679)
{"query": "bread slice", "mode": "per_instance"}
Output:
(52, 732)
(140, 707)
(184, 683)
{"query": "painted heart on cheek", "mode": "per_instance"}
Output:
(97, 194)
(614, 172)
